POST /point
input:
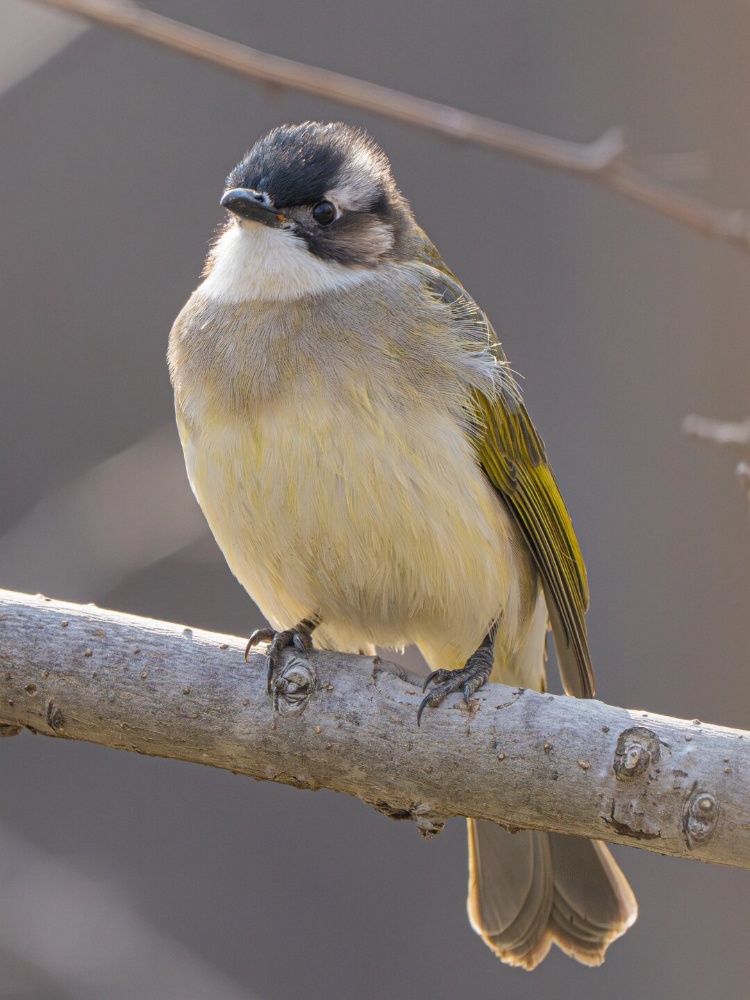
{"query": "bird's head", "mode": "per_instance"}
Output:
(314, 207)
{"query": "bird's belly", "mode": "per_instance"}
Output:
(384, 527)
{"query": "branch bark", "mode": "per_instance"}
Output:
(602, 161)
(348, 723)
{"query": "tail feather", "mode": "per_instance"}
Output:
(593, 902)
(529, 890)
(511, 889)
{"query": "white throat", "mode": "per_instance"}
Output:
(252, 261)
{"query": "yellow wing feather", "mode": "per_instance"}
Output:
(513, 457)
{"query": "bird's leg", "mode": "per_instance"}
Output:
(469, 679)
(300, 637)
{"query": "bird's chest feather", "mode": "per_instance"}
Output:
(344, 507)
(345, 485)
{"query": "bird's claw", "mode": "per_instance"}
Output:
(469, 679)
(259, 635)
(299, 637)
(439, 676)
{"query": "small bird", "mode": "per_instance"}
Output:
(365, 461)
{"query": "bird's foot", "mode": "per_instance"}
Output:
(469, 679)
(299, 637)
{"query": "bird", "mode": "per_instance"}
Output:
(364, 458)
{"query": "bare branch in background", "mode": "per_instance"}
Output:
(723, 432)
(66, 930)
(743, 474)
(348, 723)
(602, 161)
(119, 517)
(28, 38)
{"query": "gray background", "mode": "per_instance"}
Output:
(122, 876)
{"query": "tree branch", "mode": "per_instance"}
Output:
(602, 161)
(726, 433)
(723, 432)
(348, 723)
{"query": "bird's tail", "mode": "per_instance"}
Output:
(530, 889)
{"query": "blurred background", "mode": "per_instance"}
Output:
(122, 876)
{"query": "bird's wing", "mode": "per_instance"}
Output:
(513, 457)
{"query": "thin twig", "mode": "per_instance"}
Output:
(743, 475)
(723, 432)
(348, 723)
(119, 516)
(726, 433)
(602, 161)
(131, 958)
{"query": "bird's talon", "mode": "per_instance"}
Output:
(422, 705)
(438, 676)
(467, 680)
(302, 642)
(259, 636)
(436, 697)
(298, 637)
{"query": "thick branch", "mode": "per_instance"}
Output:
(348, 723)
(602, 161)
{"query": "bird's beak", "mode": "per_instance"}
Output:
(255, 206)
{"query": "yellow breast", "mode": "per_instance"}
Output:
(335, 470)
(382, 524)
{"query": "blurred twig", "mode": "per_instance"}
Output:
(602, 161)
(723, 432)
(348, 723)
(28, 38)
(120, 516)
(78, 934)
(743, 474)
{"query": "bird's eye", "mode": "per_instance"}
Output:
(324, 213)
